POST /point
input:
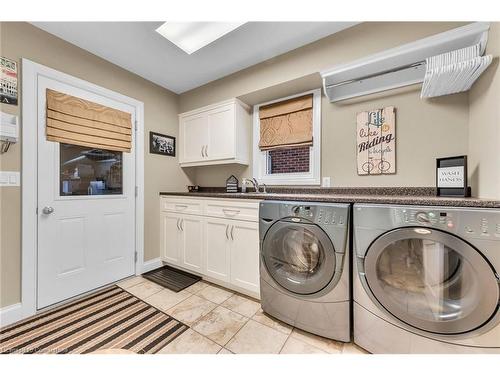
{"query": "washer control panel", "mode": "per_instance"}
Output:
(330, 216)
(319, 214)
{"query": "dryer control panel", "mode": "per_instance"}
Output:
(439, 218)
(475, 223)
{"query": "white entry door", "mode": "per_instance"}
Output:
(86, 209)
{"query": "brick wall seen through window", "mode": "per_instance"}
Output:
(294, 160)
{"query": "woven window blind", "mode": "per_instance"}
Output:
(79, 122)
(287, 124)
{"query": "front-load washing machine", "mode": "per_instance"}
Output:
(304, 266)
(426, 279)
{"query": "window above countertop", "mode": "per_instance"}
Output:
(288, 159)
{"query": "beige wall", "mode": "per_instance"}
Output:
(426, 129)
(160, 106)
(484, 125)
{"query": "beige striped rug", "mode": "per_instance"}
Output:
(108, 319)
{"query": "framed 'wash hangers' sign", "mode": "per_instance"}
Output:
(376, 141)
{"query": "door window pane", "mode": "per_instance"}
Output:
(90, 171)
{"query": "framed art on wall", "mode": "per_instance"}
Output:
(8, 81)
(376, 141)
(161, 144)
(451, 177)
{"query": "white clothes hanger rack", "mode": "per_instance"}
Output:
(454, 71)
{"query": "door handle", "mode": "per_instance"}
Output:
(230, 212)
(202, 155)
(227, 227)
(178, 228)
(182, 225)
(47, 210)
(232, 229)
(206, 151)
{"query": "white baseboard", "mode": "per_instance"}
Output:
(11, 314)
(152, 264)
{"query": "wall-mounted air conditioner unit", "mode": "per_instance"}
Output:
(400, 66)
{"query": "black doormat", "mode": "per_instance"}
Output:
(171, 278)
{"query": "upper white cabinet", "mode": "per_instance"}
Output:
(215, 134)
(193, 136)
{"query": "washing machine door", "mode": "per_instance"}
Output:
(300, 257)
(431, 280)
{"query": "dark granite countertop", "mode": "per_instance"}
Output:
(404, 196)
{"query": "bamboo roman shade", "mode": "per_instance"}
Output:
(286, 124)
(80, 122)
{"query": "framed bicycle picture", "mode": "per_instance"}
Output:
(376, 141)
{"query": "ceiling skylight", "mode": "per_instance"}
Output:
(191, 36)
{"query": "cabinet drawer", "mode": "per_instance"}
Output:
(182, 205)
(232, 209)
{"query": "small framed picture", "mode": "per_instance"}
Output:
(161, 144)
(451, 177)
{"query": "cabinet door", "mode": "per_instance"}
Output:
(170, 241)
(245, 255)
(192, 239)
(221, 129)
(194, 134)
(217, 251)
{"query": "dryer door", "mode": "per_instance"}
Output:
(431, 280)
(300, 257)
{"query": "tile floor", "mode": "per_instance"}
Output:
(224, 322)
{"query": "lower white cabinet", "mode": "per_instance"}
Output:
(217, 249)
(181, 240)
(245, 255)
(192, 243)
(170, 240)
(225, 250)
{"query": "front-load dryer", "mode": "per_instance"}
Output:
(425, 279)
(304, 266)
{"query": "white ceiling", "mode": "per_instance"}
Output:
(136, 47)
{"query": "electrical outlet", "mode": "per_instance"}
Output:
(326, 182)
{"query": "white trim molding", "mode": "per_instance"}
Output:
(313, 177)
(152, 264)
(31, 73)
(10, 314)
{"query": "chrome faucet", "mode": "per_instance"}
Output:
(255, 184)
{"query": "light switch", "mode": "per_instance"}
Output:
(326, 182)
(8, 178)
